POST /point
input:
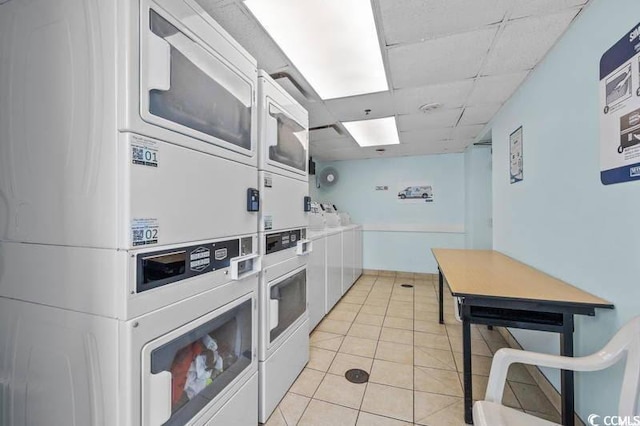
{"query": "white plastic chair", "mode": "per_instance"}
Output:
(626, 341)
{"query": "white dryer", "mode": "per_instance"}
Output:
(284, 320)
(284, 158)
(126, 127)
(123, 116)
(193, 362)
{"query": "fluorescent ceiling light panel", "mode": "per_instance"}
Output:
(333, 43)
(381, 131)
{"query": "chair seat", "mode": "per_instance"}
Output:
(487, 413)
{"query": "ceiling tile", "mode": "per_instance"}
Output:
(495, 89)
(524, 42)
(319, 115)
(522, 8)
(335, 143)
(467, 132)
(479, 114)
(420, 120)
(461, 144)
(441, 60)
(353, 108)
(425, 136)
(409, 21)
(450, 95)
(324, 134)
(237, 21)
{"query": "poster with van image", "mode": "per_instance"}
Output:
(515, 156)
(620, 110)
(414, 193)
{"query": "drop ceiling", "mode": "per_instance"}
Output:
(468, 56)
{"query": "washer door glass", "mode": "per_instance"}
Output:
(290, 144)
(288, 302)
(189, 86)
(204, 361)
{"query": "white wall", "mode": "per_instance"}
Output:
(399, 236)
(561, 219)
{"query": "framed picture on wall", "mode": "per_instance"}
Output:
(415, 192)
(515, 156)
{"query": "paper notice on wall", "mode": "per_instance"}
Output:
(620, 110)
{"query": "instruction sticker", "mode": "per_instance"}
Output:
(268, 181)
(144, 152)
(268, 222)
(620, 110)
(144, 232)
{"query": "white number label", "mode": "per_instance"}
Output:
(144, 153)
(144, 232)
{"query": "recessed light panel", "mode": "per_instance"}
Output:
(381, 131)
(333, 43)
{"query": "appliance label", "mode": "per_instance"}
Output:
(268, 222)
(144, 232)
(268, 181)
(200, 259)
(144, 152)
(220, 254)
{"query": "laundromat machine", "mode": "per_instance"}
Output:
(284, 219)
(128, 216)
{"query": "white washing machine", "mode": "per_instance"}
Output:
(317, 278)
(358, 253)
(334, 266)
(284, 158)
(122, 124)
(348, 257)
(193, 362)
(284, 320)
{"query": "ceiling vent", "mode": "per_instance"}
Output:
(426, 108)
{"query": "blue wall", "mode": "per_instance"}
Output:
(400, 236)
(478, 209)
(561, 219)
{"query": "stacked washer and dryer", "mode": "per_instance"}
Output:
(285, 205)
(129, 261)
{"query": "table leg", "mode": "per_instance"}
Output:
(466, 363)
(441, 295)
(566, 376)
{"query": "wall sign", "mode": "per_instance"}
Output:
(620, 110)
(415, 193)
(515, 156)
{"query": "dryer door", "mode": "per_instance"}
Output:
(287, 141)
(287, 302)
(193, 366)
(187, 87)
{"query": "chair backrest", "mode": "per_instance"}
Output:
(626, 343)
(631, 382)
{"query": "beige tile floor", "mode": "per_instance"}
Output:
(415, 364)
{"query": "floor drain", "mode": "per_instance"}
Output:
(357, 376)
(406, 285)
